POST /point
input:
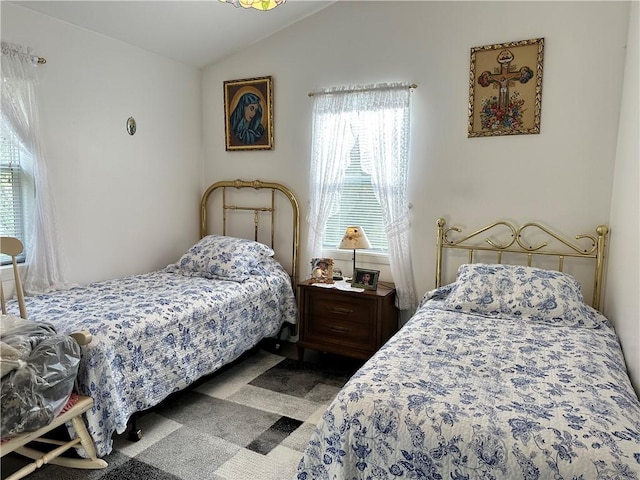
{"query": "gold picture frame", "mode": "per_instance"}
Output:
(248, 114)
(321, 270)
(505, 88)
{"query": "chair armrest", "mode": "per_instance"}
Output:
(82, 337)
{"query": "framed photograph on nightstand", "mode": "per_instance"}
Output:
(367, 279)
(322, 270)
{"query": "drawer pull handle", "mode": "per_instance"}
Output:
(340, 310)
(339, 329)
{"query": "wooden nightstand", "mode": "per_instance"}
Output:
(354, 324)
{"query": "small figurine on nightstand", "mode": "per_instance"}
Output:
(337, 274)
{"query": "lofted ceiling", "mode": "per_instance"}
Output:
(197, 33)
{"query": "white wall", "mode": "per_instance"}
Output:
(623, 285)
(124, 204)
(562, 177)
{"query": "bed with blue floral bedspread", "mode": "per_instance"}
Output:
(156, 333)
(504, 374)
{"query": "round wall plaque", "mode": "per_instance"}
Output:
(131, 125)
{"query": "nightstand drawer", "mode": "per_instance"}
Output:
(340, 330)
(330, 306)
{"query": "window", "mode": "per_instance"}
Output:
(358, 206)
(359, 174)
(13, 185)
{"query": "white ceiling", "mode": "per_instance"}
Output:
(197, 33)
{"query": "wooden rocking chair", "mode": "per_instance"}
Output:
(72, 412)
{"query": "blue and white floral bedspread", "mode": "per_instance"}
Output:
(457, 396)
(156, 333)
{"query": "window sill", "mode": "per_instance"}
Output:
(361, 256)
(6, 272)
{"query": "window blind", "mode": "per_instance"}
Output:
(11, 189)
(358, 206)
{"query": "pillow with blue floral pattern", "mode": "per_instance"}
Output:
(520, 292)
(222, 257)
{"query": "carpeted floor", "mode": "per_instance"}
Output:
(248, 422)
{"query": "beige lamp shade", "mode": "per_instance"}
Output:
(354, 239)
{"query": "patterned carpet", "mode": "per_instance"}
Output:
(248, 422)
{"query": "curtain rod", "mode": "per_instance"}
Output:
(11, 49)
(311, 94)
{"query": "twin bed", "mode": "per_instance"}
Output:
(157, 333)
(505, 373)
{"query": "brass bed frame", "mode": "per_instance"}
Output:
(516, 244)
(269, 209)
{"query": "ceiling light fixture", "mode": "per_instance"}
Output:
(257, 4)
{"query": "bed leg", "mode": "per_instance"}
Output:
(134, 433)
(291, 332)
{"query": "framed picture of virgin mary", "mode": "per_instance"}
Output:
(248, 114)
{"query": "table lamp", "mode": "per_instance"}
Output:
(354, 239)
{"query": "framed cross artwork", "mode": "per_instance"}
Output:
(505, 88)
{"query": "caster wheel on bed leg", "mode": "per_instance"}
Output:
(135, 435)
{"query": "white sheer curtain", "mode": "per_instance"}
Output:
(384, 153)
(329, 160)
(20, 111)
(382, 112)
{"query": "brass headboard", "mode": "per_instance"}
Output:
(594, 249)
(270, 209)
